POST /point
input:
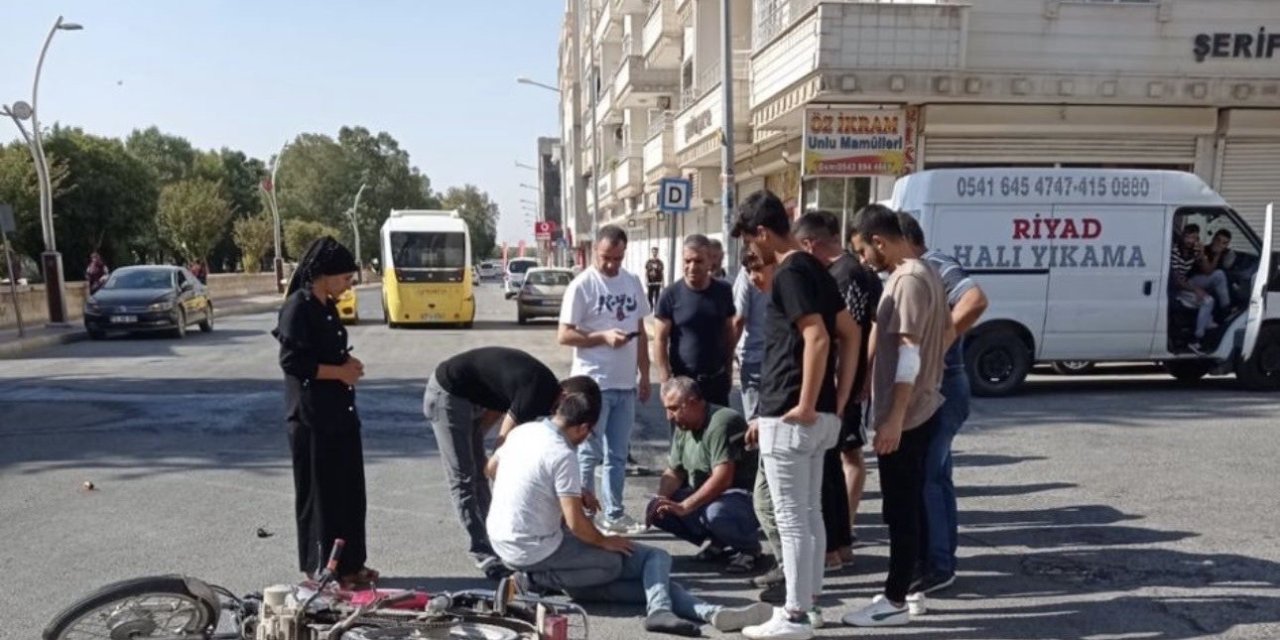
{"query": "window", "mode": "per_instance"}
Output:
(428, 250)
(140, 279)
(551, 278)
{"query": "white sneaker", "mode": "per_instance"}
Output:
(915, 604)
(880, 613)
(738, 618)
(622, 525)
(815, 618)
(779, 627)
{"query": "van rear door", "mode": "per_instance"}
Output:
(1106, 264)
(1258, 296)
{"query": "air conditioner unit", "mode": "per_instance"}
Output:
(664, 103)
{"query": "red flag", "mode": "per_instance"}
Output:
(504, 256)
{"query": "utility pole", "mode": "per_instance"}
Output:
(727, 177)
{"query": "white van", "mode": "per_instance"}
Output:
(1076, 264)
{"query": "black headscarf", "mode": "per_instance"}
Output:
(325, 257)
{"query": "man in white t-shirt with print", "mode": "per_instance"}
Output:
(602, 318)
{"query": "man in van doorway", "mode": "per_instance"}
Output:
(1189, 280)
(967, 302)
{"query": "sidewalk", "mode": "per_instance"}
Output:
(41, 336)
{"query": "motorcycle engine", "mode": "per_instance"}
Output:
(278, 615)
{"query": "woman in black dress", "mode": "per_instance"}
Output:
(320, 375)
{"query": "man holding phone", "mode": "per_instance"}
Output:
(602, 318)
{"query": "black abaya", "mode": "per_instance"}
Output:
(324, 434)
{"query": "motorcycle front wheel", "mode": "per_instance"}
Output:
(152, 607)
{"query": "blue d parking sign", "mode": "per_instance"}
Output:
(674, 193)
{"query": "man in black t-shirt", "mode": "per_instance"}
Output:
(818, 232)
(465, 396)
(694, 333)
(653, 277)
(800, 399)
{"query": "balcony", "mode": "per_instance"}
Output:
(802, 38)
(604, 188)
(628, 175)
(638, 86)
(609, 25)
(621, 7)
(659, 152)
(661, 36)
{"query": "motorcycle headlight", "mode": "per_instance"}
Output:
(163, 305)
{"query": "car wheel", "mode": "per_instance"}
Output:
(1072, 367)
(206, 325)
(997, 362)
(180, 324)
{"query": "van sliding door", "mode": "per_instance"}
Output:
(1106, 269)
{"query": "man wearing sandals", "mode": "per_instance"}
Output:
(705, 493)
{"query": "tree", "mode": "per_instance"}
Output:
(107, 202)
(481, 215)
(171, 158)
(253, 237)
(319, 177)
(299, 234)
(193, 217)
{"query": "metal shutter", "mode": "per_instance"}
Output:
(1084, 149)
(1251, 178)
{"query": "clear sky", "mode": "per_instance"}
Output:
(438, 75)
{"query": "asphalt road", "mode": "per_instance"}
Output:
(1102, 507)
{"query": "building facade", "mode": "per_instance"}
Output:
(1192, 85)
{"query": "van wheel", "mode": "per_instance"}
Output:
(997, 362)
(1072, 367)
(1261, 372)
(1188, 371)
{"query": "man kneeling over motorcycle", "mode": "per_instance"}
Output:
(537, 525)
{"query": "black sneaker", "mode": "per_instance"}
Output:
(932, 583)
(774, 594)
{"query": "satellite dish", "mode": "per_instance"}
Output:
(21, 110)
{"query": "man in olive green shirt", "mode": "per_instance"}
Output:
(705, 492)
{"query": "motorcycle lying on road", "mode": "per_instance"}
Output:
(177, 607)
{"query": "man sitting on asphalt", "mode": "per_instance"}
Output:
(705, 492)
(537, 495)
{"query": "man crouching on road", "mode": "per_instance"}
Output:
(537, 495)
(705, 492)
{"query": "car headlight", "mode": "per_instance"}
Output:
(160, 306)
(92, 306)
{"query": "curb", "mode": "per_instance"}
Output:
(16, 348)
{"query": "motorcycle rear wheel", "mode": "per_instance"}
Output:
(150, 607)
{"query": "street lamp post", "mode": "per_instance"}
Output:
(51, 260)
(270, 189)
(355, 230)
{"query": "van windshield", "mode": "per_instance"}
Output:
(428, 250)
